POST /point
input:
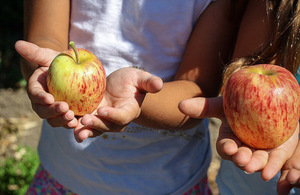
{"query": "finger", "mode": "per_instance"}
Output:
(72, 124)
(77, 129)
(242, 157)
(257, 162)
(83, 131)
(36, 88)
(86, 132)
(278, 156)
(52, 110)
(148, 83)
(121, 116)
(226, 148)
(202, 107)
(275, 162)
(66, 120)
(227, 143)
(100, 124)
(34, 53)
(293, 177)
(283, 187)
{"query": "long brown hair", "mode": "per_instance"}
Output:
(284, 46)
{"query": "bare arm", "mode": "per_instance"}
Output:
(46, 23)
(254, 31)
(200, 72)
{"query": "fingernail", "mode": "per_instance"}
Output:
(66, 117)
(60, 109)
(70, 124)
(78, 140)
(247, 173)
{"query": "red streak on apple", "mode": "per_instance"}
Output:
(262, 105)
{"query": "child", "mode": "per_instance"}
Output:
(281, 38)
(175, 40)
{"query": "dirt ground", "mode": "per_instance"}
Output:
(19, 125)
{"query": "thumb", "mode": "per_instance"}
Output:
(148, 83)
(35, 54)
(201, 107)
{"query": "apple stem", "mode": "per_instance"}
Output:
(72, 45)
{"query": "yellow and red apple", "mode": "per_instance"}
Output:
(262, 105)
(78, 78)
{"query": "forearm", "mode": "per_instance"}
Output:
(200, 72)
(46, 23)
(160, 110)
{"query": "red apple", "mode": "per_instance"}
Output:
(78, 78)
(262, 105)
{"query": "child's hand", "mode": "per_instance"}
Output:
(290, 174)
(56, 113)
(230, 147)
(124, 95)
(269, 162)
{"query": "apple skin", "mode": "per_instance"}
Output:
(262, 105)
(81, 83)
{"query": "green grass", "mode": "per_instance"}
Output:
(17, 172)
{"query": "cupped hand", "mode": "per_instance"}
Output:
(229, 147)
(126, 89)
(43, 103)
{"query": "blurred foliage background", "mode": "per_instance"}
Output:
(17, 163)
(11, 30)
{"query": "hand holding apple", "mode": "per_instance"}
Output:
(262, 105)
(229, 147)
(43, 103)
(121, 102)
(124, 95)
(78, 78)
